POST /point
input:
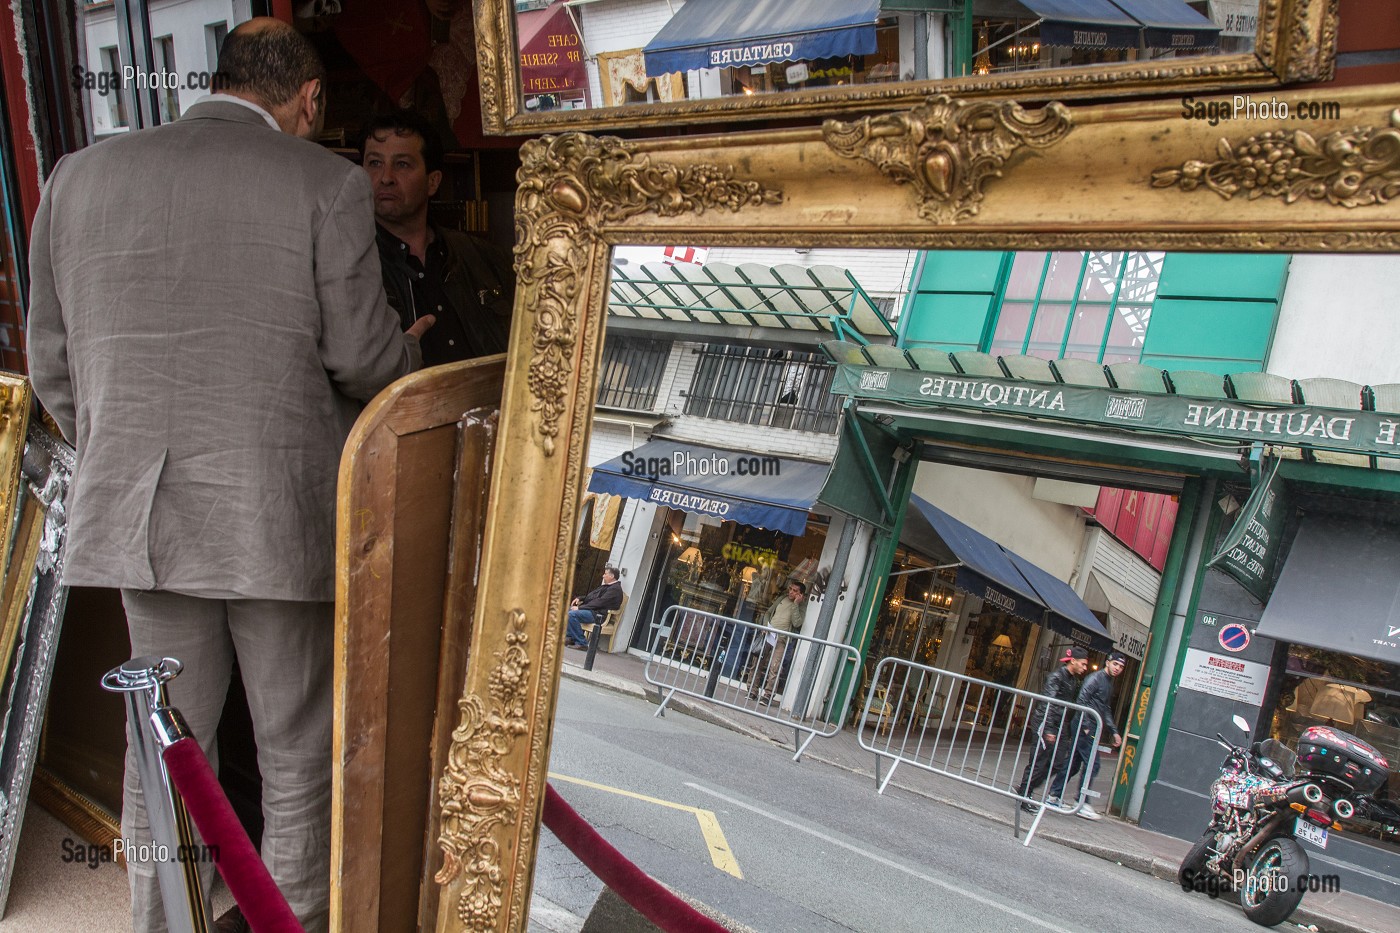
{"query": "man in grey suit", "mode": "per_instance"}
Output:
(206, 321)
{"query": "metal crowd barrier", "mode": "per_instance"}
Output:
(977, 732)
(748, 667)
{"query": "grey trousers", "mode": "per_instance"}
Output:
(284, 652)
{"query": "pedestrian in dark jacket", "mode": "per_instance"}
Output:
(596, 604)
(1097, 694)
(1053, 746)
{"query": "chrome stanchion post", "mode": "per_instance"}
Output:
(147, 708)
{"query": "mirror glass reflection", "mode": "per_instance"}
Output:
(581, 54)
(1078, 413)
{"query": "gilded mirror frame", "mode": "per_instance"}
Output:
(1296, 42)
(947, 173)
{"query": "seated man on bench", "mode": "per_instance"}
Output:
(593, 608)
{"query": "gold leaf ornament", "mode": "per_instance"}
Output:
(1356, 167)
(478, 791)
(948, 149)
(570, 187)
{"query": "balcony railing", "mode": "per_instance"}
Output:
(774, 388)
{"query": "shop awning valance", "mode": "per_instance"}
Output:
(1339, 589)
(1171, 24)
(759, 490)
(1005, 580)
(551, 53)
(732, 33)
(1084, 24)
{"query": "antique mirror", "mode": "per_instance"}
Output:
(551, 65)
(32, 605)
(944, 174)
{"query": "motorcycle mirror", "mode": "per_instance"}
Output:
(1241, 724)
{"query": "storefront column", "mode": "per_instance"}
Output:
(826, 613)
(1152, 708)
(863, 618)
(632, 555)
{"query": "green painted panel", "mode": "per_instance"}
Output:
(960, 270)
(950, 322)
(1183, 330)
(1223, 275)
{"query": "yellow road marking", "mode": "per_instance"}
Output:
(720, 853)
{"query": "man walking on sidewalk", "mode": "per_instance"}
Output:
(1053, 745)
(1096, 694)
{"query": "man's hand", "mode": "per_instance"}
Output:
(420, 326)
(1117, 741)
(1049, 736)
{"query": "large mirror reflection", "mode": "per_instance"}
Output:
(972, 462)
(609, 53)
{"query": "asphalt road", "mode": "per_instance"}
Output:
(809, 847)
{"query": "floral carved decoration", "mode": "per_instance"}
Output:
(477, 790)
(1356, 167)
(948, 149)
(570, 187)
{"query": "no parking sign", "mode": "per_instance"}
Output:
(1234, 637)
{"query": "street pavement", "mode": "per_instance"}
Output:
(820, 850)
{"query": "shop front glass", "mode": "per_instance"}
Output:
(1356, 695)
(726, 568)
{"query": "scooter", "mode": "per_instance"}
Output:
(1266, 798)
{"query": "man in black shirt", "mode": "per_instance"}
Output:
(462, 281)
(1054, 726)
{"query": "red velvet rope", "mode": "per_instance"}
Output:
(257, 895)
(633, 885)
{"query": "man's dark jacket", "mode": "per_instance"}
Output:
(1096, 694)
(1060, 685)
(479, 282)
(605, 598)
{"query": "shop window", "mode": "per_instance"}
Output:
(1081, 305)
(755, 385)
(631, 372)
(728, 569)
(168, 97)
(116, 100)
(214, 35)
(1356, 695)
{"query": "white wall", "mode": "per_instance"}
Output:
(616, 25)
(184, 21)
(1338, 319)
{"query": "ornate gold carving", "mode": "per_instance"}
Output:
(1348, 168)
(478, 793)
(570, 186)
(947, 148)
(496, 82)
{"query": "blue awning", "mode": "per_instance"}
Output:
(1011, 583)
(1085, 24)
(1171, 24)
(986, 571)
(724, 33)
(762, 491)
(1068, 614)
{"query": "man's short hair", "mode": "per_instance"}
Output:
(611, 570)
(269, 63)
(801, 587)
(408, 123)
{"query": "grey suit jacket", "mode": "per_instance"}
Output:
(206, 319)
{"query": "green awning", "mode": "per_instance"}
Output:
(814, 300)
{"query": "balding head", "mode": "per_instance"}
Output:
(268, 62)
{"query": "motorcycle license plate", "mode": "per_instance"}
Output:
(1306, 831)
